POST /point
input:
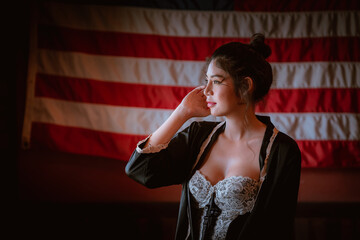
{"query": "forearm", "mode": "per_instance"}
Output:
(169, 128)
(193, 105)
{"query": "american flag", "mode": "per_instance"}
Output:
(103, 77)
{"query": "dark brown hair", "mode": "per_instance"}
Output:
(246, 60)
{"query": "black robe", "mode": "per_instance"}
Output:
(274, 210)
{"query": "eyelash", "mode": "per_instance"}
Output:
(217, 82)
(214, 81)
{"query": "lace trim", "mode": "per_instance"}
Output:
(223, 223)
(263, 172)
(234, 196)
(268, 149)
(150, 148)
(206, 142)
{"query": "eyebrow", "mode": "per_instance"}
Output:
(216, 75)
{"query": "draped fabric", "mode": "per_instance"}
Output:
(103, 77)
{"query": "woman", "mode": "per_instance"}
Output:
(240, 177)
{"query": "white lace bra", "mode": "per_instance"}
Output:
(234, 196)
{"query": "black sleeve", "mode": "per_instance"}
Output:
(171, 165)
(281, 202)
(274, 211)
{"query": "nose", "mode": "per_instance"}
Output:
(208, 89)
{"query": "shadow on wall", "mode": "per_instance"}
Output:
(158, 221)
(62, 195)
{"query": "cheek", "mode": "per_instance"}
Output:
(229, 97)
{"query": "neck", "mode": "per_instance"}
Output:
(243, 125)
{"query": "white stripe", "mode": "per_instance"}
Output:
(99, 117)
(122, 119)
(203, 23)
(121, 69)
(190, 73)
(127, 120)
(316, 75)
(318, 126)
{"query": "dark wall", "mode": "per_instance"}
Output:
(14, 54)
(61, 177)
(92, 196)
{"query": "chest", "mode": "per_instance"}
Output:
(226, 159)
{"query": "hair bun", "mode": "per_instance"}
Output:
(257, 43)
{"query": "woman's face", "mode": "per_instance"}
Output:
(219, 92)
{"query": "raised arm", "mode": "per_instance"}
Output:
(158, 166)
(193, 105)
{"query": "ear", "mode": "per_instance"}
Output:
(247, 86)
(245, 92)
(250, 84)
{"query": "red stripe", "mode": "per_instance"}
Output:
(192, 48)
(121, 146)
(83, 141)
(168, 97)
(109, 93)
(343, 100)
(330, 153)
(295, 5)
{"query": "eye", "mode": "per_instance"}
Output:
(216, 82)
(206, 81)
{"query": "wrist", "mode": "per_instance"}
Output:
(182, 113)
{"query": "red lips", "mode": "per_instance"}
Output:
(211, 104)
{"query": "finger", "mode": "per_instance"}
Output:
(200, 90)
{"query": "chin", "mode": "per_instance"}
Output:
(216, 113)
(220, 112)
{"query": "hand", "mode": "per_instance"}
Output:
(194, 103)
